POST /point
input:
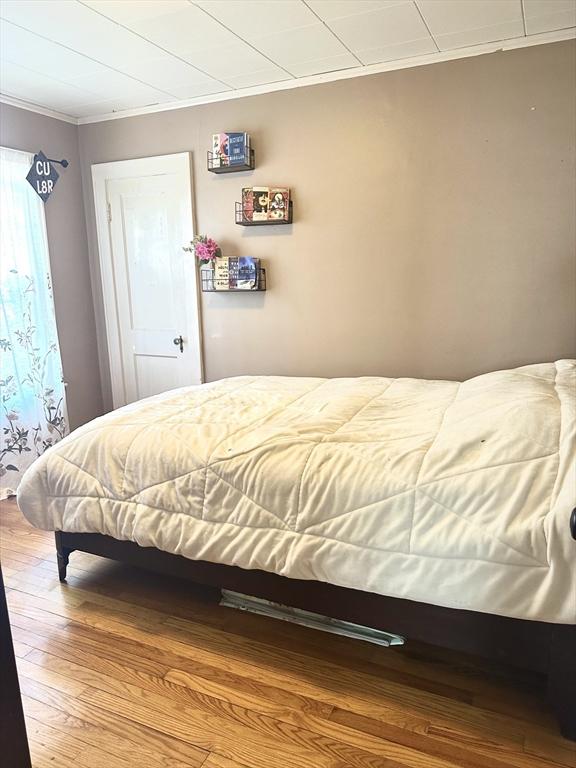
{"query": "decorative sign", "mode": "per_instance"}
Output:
(43, 176)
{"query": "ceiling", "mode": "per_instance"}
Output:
(86, 59)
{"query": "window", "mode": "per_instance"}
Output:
(31, 387)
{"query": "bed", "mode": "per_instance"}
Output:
(440, 510)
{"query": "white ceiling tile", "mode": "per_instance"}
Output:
(127, 11)
(183, 30)
(398, 51)
(38, 104)
(78, 27)
(251, 19)
(238, 59)
(320, 66)
(20, 46)
(456, 24)
(548, 15)
(491, 34)
(110, 84)
(131, 102)
(293, 46)
(389, 26)
(191, 90)
(262, 76)
(451, 16)
(166, 72)
(34, 86)
(337, 9)
(104, 106)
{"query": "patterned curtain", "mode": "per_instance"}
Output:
(31, 387)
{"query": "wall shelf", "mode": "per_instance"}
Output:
(214, 164)
(207, 283)
(244, 222)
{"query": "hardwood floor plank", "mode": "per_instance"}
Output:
(115, 734)
(35, 579)
(458, 670)
(109, 675)
(54, 738)
(62, 600)
(449, 744)
(147, 589)
(77, 566)
(8, 561)
(73, 645)
(94, 758)
(43, 756)
(22, 613)
(543, 745)
(30, 548)
(136, 602)
(11, 553)
(21, 650)
(355, 751)
(217, 761)
(277, 639)
(100, 593)
(221, 734)
(62, 683)
(530, 708)
(48, 747)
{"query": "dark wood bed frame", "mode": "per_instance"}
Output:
(549, 649)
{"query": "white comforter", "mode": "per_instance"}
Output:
(453, 494)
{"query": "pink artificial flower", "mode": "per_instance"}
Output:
(203, 252)
(205, 249)
(212, 247)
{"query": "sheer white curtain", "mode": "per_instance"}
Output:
(33, 411)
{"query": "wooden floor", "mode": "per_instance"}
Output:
(124, 669)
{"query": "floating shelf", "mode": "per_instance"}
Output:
(207, 283)
(214, 165)
(243, 222)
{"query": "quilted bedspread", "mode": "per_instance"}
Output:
(456, 494)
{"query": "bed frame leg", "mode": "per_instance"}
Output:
(562, 679)
(62, 555)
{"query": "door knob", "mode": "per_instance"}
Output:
(179, 342)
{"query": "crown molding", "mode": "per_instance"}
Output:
(38, 108)
(302, 82)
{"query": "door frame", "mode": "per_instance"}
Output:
(179, 163)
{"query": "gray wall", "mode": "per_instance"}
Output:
(434, 218)
(30, 132)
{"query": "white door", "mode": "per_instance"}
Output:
(144, 217)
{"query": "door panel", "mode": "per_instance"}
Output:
(145, 217)
(152, 280)
(153, 373)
